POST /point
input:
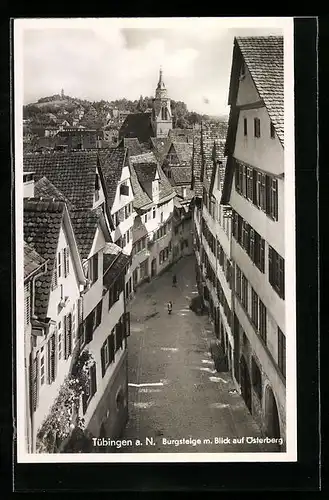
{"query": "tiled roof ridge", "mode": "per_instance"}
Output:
(258, 57)
(40, 205)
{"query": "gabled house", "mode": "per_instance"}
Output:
(77, 137)
(154, 203)
(254, 188)
(116, 172)
(78, 181)
(137, 125)
(34, 267)
(56, 304)
(77, 175)
(215, 278)
(181, 135)
(160, 146)
(177, 165)
(105, 325)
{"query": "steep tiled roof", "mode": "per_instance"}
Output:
(143, 158)
(196, 184)
(139, 229)
(43, 188)
(132, 144)
(42, 223)
(213, 145)
(141, 198)
(116, 269)
(72, 173)
(160, 147)
(146, 174)
(32, 260)
(137, 125)
(263, 56)
(112, 162)
(84, 224)
(181, 175)
(110, 253)
(183, 151)
(182, 134)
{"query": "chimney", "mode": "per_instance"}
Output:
(28, 184)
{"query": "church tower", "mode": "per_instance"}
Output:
(161, 114)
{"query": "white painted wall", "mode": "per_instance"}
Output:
(268, 364)
(261, 152)
(101, 197)
(247, 92)
(95, 292)
(264, 152)
(49, 392)
(120, 201)
(109, 319)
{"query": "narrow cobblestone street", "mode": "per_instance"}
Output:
(174, 389)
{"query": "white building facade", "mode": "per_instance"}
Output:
(255, 190)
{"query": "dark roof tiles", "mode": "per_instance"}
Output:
(181, 175)
(42, 224)
(137, 125)
(73, 174)
(183, 151)
(112, 162)
(32, 260)
(84, 223)
(263, 56)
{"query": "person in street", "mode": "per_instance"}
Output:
(169, 306)
(174, 280)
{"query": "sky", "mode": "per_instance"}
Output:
(115, 58)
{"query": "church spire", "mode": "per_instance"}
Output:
(161, 90)
(160, 84)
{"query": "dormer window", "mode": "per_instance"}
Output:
(272, 131)
(124, 189)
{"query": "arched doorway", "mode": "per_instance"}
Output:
(272, 422)
(153, 268)
(245, 383)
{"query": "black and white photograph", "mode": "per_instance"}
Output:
(155, 240)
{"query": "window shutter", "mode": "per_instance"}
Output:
(69, 334)
(66, 261)
(111, 347)
(262, 255)
(99, 313)
(268, 195)
(127, 324)
(65, 336)
(27, 304)
(54, 279)
(281, 277)
(34, 382)
(52, 360)
(59, 263)
(95, 267)
(93, 380)
(89, 327)
(103, 361)
(270, 265)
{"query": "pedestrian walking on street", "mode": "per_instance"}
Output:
(169, 306)
(174, 280)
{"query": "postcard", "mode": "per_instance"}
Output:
(155, 240)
